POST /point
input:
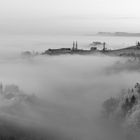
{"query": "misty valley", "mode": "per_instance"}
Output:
(69, 98)
(69, 70)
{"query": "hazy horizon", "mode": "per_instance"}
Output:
(68, 17)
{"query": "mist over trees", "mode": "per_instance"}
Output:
(125, 110)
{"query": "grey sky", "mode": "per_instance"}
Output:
(50, 15)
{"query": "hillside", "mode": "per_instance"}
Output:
(133, 51)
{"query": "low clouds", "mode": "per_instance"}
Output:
(60, 96)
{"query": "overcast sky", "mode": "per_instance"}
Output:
(83, 15)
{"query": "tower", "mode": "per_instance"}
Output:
(76, 45)
(104, 46)
(73, 46)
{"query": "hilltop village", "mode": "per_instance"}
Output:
(73, 50)
(132, 51)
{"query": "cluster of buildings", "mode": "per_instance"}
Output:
(63, 50)
(73, 50)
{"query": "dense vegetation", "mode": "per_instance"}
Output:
(125, 109)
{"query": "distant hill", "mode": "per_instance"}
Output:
(118, 34)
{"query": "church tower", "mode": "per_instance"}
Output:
(73, 48)
(76, 46)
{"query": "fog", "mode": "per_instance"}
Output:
(61, 97)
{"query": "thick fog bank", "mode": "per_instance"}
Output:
(60, 97)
